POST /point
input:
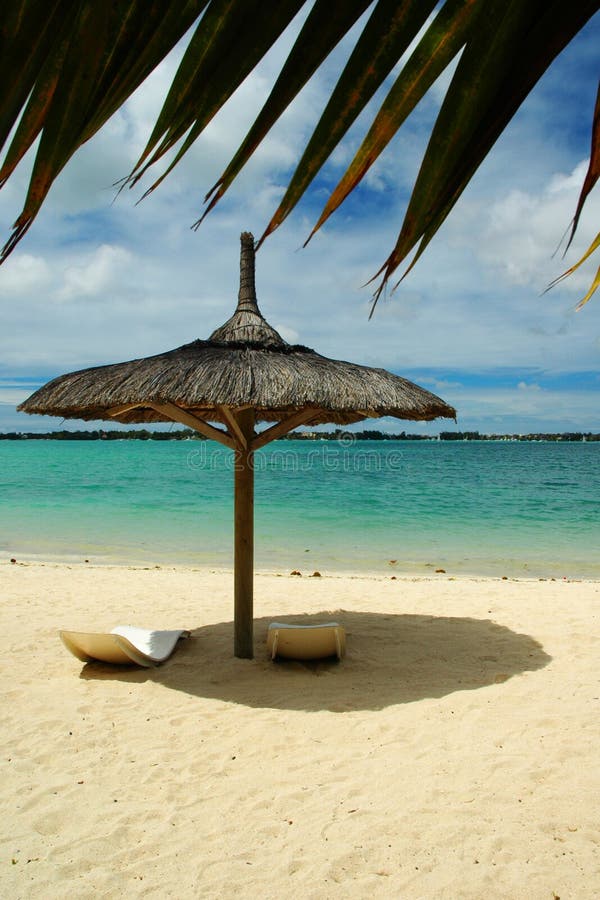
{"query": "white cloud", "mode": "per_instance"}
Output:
(571, 183)
(29, 273)
(524, 228)
(96, 274)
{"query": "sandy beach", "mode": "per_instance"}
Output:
(452, 754)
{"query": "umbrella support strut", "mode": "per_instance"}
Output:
(244, 539)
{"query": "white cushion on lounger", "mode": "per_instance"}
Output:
(306, 641)
(124, 645)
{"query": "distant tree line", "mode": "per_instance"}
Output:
(133, 434)
(186, 434)
(537, 436)
(341, 434)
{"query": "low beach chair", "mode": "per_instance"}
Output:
(124, 645)
(306, 641)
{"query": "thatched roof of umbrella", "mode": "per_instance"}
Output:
(243, 374)
(244, 363)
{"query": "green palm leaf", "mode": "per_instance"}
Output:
(441, 43)
(212, 70)
(93, 59)
(328, 22)
(78, 61)
(24, 44)
(483, 96)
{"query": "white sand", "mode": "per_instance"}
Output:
(454, 753)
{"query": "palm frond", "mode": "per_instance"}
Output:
(78, 61)
(89, 60)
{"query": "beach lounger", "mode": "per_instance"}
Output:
(124, 645)
(306, 641)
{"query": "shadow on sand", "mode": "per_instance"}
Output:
(390, 659)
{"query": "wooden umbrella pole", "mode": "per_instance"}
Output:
(244, 540)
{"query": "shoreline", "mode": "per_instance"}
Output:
(392, 574)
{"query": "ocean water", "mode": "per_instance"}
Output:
(497, 508)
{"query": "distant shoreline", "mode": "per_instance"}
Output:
(185, 434)
(411, 574)
(384, 574)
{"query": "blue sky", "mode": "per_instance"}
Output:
(99, 279)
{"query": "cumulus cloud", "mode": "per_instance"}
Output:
(27, 274)
(523, 228)
(96, 274)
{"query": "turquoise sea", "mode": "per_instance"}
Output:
(497, 508)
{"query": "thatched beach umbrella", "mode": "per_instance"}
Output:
(243, 374)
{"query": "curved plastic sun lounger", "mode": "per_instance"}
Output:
(124, 645)
(306, 641)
